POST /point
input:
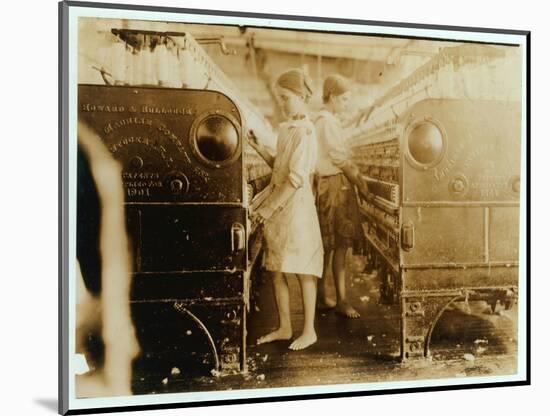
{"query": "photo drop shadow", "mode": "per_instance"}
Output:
(48, 404)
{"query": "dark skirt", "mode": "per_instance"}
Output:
(338, 214)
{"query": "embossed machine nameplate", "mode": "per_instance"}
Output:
(148, 131)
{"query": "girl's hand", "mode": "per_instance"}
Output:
(362, 187)
(257, 219)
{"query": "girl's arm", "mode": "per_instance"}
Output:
(352, 173)
(339, 154)
(276, 200)
(298, 174)
(260, 148)
(361, 117)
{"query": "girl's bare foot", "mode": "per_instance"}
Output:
(304, 341)
(345, 309)
(279, 334)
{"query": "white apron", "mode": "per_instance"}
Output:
(292, 237)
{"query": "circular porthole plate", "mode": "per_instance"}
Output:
(425, 143)
(215, 138)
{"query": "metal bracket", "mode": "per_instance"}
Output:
(414, 346)
(414, 309)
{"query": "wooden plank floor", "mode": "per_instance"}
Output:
(359, 350)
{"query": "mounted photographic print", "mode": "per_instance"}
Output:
(265, 207)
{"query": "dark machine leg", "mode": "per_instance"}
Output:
(224, 328)
(506, 298)
(389, 286)
(369, 266)
(419, 315)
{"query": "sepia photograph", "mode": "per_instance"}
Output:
(275, 206)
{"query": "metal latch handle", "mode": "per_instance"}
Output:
(407, 236)
(237, 237)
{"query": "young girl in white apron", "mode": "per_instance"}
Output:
(292, 237)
